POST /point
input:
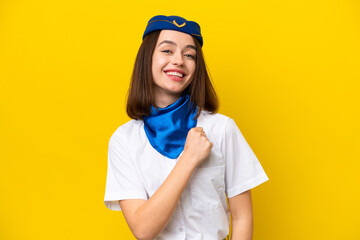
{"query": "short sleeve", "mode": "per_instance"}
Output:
(243, 170)
(122, 180)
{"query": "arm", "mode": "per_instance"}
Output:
(147, 218)
(241, 216)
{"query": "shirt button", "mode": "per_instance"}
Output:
(181, 229)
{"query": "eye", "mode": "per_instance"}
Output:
(190, 56)
(166, 51)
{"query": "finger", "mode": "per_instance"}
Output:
(199, 129)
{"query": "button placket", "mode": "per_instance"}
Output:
(181, 226)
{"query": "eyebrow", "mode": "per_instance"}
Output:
(172, 43)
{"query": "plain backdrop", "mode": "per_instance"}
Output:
(286, 71)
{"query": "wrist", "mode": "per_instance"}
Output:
(188, 161)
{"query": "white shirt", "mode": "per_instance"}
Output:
(136, 170)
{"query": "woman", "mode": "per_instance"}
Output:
(170, 167)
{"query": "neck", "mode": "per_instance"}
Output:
(164, 100)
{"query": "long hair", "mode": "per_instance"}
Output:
(141, 94)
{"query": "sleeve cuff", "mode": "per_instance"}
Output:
(111, 200)
(247, 185)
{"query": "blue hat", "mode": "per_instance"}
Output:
(176, 23)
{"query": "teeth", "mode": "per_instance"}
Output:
(174, 74)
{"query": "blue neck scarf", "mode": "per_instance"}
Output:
(167, 128)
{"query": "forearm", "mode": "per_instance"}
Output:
(242, 228)
(153, 216)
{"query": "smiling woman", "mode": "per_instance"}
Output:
(173, 65)
(173, 166)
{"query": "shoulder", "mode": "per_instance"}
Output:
(125, 130)
(215, 120)
(216, 125)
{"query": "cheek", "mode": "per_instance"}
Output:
(153, 64)
(157, 63)
(157, 66)
(192, 67)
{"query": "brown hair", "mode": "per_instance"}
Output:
(141, 95)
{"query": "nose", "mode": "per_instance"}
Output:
(177, 59)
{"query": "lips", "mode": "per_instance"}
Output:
(175, 72)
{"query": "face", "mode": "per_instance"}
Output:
(173, 63)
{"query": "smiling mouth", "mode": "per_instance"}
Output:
(176, 74)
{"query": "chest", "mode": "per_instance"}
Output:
(153, 167)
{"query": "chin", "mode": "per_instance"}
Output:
(175, 89)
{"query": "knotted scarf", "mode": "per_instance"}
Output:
(167, 128)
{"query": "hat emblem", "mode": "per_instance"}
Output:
(176, 24)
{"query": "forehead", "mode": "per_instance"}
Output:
(180, 38)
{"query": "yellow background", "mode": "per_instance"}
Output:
(286, 71)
